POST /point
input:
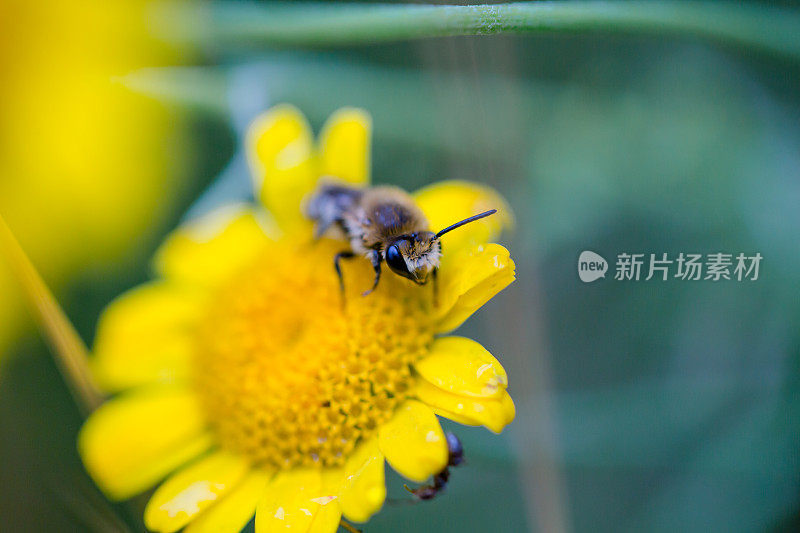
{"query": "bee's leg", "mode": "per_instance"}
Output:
(375, 257)
(347, 254)
(435, 287)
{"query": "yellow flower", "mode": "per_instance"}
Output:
(83, 166)
(244, 379)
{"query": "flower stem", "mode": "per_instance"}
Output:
(224, 25)
(349, 527)
(71, 354)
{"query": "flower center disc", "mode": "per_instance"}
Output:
(287, 375)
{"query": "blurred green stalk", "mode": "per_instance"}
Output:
(70, 353)
(224, 25)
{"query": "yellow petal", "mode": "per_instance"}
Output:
(413, 442)
(344, 146)
(144, 336)
(207, 251)
(236, 508)
(447, 202)
(131, 442)
(329, 513)
(291, 501)
(493, 413)
(280, 152)
(191, 490)
(327, 519)
(364, 487)
(462, 366)
(469, 279)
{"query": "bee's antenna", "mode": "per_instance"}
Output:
(473, 218)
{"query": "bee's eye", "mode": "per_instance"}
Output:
(395, 260)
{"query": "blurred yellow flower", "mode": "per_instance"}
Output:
(84, 163)
(245, 381)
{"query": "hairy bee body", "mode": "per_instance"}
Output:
(382, 223)
(328, 205)
(382, 215)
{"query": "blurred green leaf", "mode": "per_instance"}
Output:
(223, 25)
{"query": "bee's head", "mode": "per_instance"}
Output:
(414, 256)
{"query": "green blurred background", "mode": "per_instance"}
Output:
(641, 406)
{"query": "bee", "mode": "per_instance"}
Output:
(383, 224)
